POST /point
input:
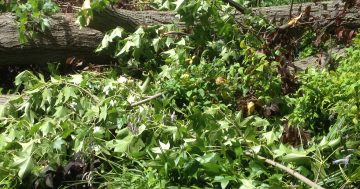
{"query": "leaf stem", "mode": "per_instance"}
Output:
(95, 98)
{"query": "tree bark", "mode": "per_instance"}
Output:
(313, 61)
(322, 11)
(279, 15)
(111, 18)
(65, 39)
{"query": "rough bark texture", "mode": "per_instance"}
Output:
(312, 61)
(65, 39)
(130, 20)
(323, 10)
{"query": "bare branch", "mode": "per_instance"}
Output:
(288, 170)
(146, 100)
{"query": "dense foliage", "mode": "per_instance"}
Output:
(221, 103)
(31, 15)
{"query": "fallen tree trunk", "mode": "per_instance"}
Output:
(64, 39)
(322, 11)
(313, 61)
(299, 65)
(279, 15)
(111, 18)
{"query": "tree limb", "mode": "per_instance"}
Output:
(237, 6)
(64, 39)
(146, 100)
(288, 170)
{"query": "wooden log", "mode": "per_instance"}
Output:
(322, 11)
(111, 18)
(299, 65)
(65, 39)
(279, 15)
(312, 61)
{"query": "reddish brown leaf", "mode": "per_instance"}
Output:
(294, 136)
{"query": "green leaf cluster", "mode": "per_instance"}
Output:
(198, 133)
(31, 15)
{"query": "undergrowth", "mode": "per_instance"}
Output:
(219, 102)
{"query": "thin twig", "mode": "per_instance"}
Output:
(146, 100)
(288, 170)
(175, 33)
(95, 98)
(291, 7)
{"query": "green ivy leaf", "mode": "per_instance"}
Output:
(108, 38)
(23, 161)
(126, 48)
(103, 113)
(178, 4)
(224, 180)
(155, 44)
(69, 92)
(58, 143)
(76, 79)
(270, 137)
(44, 24)
(247, 184)
(61, 112)
(191, 167)
(47, 127)
(123, 145)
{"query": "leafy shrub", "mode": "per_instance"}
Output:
(328, 103)
(206, 126)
